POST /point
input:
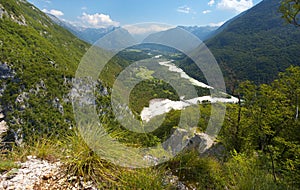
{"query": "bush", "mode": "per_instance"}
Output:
(244, 172)
(204, 173)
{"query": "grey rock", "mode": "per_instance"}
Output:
(3, 129)
(22, 99)
(183, 139)
(30, 172)
(56, 103)
(201, 141)
(5, 71)
(2, 11)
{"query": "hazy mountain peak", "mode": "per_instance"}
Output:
(90, 35)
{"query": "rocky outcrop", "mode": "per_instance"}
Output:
(18, 19)
(2, 11)
(56, 103)
(182, 140)
(3, 129)
(5, 73)
(200, 141)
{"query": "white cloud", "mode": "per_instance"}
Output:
(211, 2)
(206, 11)
(146, 28)
(54, 12)
(184, 9)
(97, 20)
(216, 24)
(46, 1)
(84, 8)
(235, 5)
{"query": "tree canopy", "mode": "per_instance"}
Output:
(291, 11)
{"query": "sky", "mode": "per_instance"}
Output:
(105, 13)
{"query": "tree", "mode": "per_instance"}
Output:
(291, 11)
(267, 123)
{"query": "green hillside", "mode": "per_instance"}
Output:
(256, 45)
(44, 57)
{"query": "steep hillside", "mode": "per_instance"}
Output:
(256, 45)
(42, 57)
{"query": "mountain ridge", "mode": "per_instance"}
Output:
(256, 45)
(91, 35)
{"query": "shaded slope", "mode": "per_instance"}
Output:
(256, 45)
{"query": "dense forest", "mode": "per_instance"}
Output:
(255, 51)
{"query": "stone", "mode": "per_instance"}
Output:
(11, 187)
(1, 116)
(73, 178)
(30, 172)
(3, 127)
(47, 176)
(4, 185)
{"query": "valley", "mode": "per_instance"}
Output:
(150, 119)
(162, 106)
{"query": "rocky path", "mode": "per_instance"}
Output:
(35, 174)
(29, 173)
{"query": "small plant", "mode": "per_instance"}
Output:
(43, 148)
(204, 173)
(243, 172)
(6, 165)
(147, 178)
(81, 161)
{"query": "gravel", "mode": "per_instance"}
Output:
(28, 174)
(36, 174)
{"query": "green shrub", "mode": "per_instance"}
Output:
(244, 172)
(202, 173)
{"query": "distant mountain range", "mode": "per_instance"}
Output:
(255, 45)
(185, 42)
(202, 32)
(91, 35)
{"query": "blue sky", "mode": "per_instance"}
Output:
(103, 13)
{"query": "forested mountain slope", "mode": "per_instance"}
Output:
(43, 58)
(256, 45)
